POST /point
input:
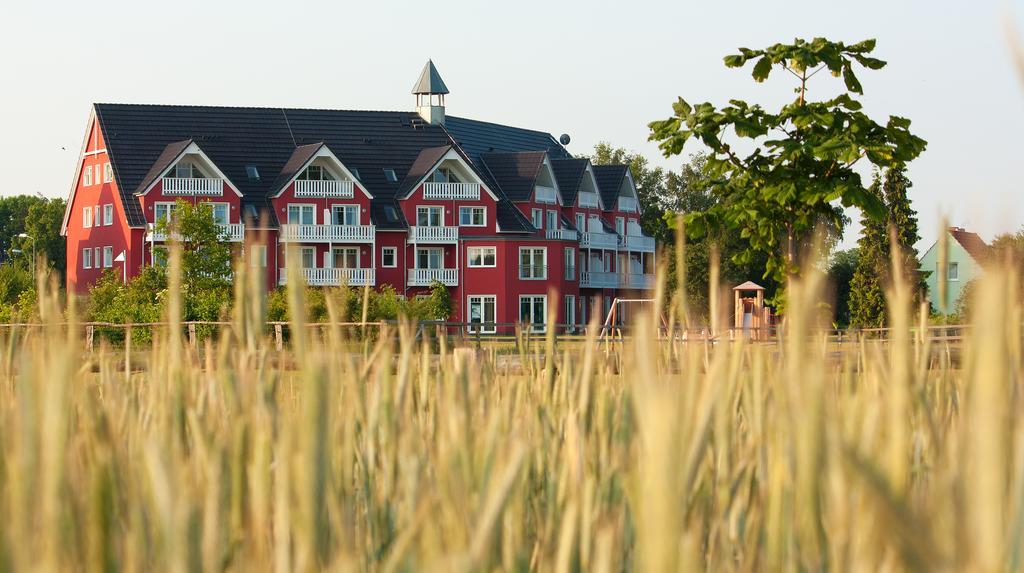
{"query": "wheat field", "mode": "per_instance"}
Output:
(396, 454)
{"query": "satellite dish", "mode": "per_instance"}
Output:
(564, 139)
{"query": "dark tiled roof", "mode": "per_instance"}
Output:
(479, 137)
(386, 214)
(972, 243)
(569, 174)
(424, 163)
(515, 173)
(609, 181)
(299, 157)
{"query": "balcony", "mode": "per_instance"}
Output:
(599, 241)
(427, 277)
(637, 243)
(588, 200)
(192, 186)
(327, 233)
(533, 272)
(590, 279)
(452, 191)
(420, 234)
(561, 234)
(546, 195)
(317, 189)
(636, 281)
(627, 204)
(335, 277)
(235, 233)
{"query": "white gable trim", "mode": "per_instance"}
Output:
(192, 148)
(630, 185)
(589, 172)
(554, 182)
(78, 170)
(452, 155)
(324, 151)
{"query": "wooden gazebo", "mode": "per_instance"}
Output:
(749, 314)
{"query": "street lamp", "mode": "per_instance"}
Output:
(27, 236)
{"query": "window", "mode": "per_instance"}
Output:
(620, 225)
(186, 170)
(570, 263)
(308, 257)
(86, 217)
(97, 177)
(538, 218)
(345, 214)
(316, 173)
(552, 220)
(533, 263)
(390, 175)
(108, 173)
(87, 176)
(300, 215)
(533, 310)
(389, 257)
(108, 257)
(570, 313)
(108, 214)
(252, 173)
(390, 214)
(96, 257)
(429, 259)
(163, 211)
(583, 310)
(220, 213)
(445, 175)
(345, 258)
(428, 216)
(472, 216)
(482, 256)
(96, 220)
(581, 223)
(482, 312)
(86, 258)
(953, 272)
(258, 256)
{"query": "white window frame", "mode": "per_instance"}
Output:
(227, 211)
(953, 272)
(258, 256)
(87, 176)
(98, 176)
(570, 313)
(87, 258)
(569, 260)
(537, 218)
(428, 209)
(302, 257)
(534, 324)
(301, 207)
(553, 220)
(170, 210)
(108, 214)
(344, 209)
(532, 275)
(394, 257)
(345, 251)
(87, 217)
(482, 300)
(96, 257)
(473, 209)
(108, 257)
(429, 250)
(108, 173)
(581, 222)
(482, 252)
(620, 225)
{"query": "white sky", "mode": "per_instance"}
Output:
(597, 70)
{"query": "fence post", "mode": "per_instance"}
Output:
(192, 334)
(278, 338)
(128, 353)
(89, 330)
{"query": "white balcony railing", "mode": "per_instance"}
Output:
(588, 200)
(426, 277)
(546, 195)
(599, 241)
(335, 277)
(592, 279)
(327, 233)
(561, 234)
(455, 191)
(636, 281)
(232, 232)
(316, 188)
(627, 204)
(434, 234)
(192, 186)
(637, 243)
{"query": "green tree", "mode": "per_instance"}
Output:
(867, 298)
(13, 215)
(205, 259)
(650, 186)
(801, 159)
(841, 268)
(902, 219)
(42, 224)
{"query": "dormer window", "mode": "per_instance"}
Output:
(316, 173)
(445, 175)
(186, 170)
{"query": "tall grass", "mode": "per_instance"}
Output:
(652, 455)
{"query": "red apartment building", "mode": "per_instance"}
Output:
(501, 215)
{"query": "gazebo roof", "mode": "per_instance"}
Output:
(749, 285)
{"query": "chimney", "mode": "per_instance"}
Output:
(430, 91)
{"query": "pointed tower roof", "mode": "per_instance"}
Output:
(430, 81)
